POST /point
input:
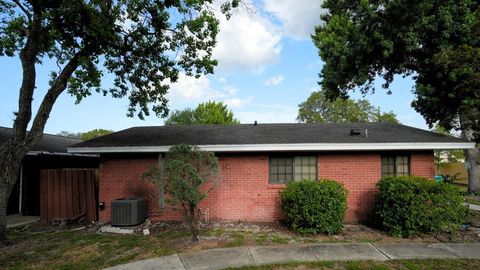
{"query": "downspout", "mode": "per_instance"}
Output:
(21, 190)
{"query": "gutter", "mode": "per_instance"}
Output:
(281, 147)
(73, 154)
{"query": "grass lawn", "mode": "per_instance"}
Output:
(462, 187)
(394, 265)
(86, 249)
(70, 248)
(473, 199)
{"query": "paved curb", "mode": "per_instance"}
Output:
(257, 255)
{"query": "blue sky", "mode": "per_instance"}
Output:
(268, 65)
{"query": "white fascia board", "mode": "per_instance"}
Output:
(282, 147)
(70, 154)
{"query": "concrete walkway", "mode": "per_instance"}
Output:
(18, 220)
(257, 255)
(474, 207)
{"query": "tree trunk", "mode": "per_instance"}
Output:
(472, 161)
(472, 158)
(11, 155)
(193, 224)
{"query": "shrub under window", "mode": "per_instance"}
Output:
(315, 207)
(408, 206)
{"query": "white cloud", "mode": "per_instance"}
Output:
(267, 113)
(246, 42)
(189, 88)
(222, 79)
(237, 102)
(275, 80)
(299, 18)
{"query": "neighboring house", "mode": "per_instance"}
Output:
(257, 160)
(49, 153)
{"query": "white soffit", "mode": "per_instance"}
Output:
(283, 147)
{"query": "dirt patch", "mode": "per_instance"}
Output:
(278, 233)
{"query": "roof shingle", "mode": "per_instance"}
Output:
(49, 143)
(266, 134)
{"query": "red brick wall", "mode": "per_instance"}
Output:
(120, 178)
(358, 173)
(422, 164)
(244, 192)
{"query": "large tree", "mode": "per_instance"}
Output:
(318, 109)
(437, 42)
(207, 113)
(141, 44)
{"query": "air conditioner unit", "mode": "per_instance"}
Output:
(128, 211)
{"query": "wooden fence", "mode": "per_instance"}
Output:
(68, 194)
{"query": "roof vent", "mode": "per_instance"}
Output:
(255, 123)
(355, 131)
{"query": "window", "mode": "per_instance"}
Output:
(395, 165)
(281, 170)
(305, 168)
(285, 169)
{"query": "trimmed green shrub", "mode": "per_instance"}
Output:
(315, 207)
(408, 206)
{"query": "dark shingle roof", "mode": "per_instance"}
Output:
(49, 143)
(266, 134)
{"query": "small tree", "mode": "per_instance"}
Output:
(186, 169)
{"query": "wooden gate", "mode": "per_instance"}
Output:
(67, 194)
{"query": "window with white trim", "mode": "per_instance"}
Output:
(285, 169)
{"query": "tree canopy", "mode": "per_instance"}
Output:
(86, 135)
(142, 45)
(210, 112)
(318, 109)
(435, 42)
(438, 42)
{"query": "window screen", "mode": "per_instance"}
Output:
(285, 169)
(305, 168)
(281, 169)
(395, 165)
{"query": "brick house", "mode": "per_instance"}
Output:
(257, 160)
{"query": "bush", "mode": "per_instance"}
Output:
(315, 207)
(408, 206)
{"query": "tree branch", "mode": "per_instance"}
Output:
(28, 56)
(24, 9)
(58, 86)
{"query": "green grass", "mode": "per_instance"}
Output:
(389, 265)
(82, 250)
(67, 249)
(238, 240)
(473, 201)
(461, 187)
